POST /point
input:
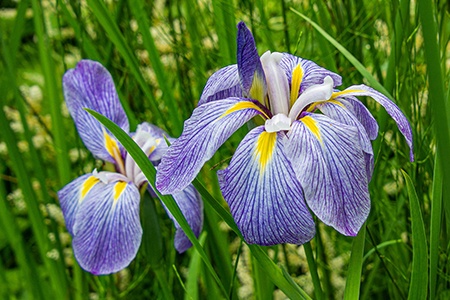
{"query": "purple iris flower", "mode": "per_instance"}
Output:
(311, 150)
(101, 209)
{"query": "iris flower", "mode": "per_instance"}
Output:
(101, 209)
(311, 151)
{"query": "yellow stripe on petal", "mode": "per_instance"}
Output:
(110, 144)
(118, 189)
(337, 94)
(297, 76)
(257, 88)
(243, 105)
(265, 145)
(87, 186)
(312, 126)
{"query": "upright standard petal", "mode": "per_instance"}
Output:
(392, 109)
(265, 198)
(210, 125)
(71, 195)
(90, 85)
(191, 205)
(251, 74)
(222, 84)
(309, 73)
(107, 229)
(329, 162)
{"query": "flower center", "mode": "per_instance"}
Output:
(147, 143)
(277, 123)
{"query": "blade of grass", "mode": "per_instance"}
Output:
(225, 25)
(263, 288)
(139, 11)
(313, 271)
(439, 106)
(27, 267)
(40, 232)
(352, 59)
(418, 285)
(435, 226)
(106, 20)
(194, 272)
(52, 92)
(278, 276)
(353, 283)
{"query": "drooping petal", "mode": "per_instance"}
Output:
(191, 205)
(329, 162)
(222, 84)
(362, 114)
(251, 74)
(309, 72)
(392, 109)
(210, 125)
(90, 85)
(264, 196)
(338, 112)
(107, 229)
(71, 195)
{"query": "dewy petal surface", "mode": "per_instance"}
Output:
(71, 195)
(107, 230)
(90, 85)
(392, 109)
(222, 84)
(210, 125)
(191, 205)
(264, 196)
(329, 162)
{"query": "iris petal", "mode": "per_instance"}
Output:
(191, 205)
(264, 196)
(210, 125)
(107, 229)
(222, 84)
(331, 171)
(90, 85)
(251, 73)
(392, 109)
(312, 73)
(338, 112)
(363, 115)
(72, 194)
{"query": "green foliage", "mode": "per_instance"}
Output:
(160, 54)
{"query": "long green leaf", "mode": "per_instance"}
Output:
(435, 226)
(418, 285)
(352, 286)
(150, 173)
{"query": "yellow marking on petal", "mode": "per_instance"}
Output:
(265, 145)
(297, 76)
(243, 105)
(336, 102)
(88, 185)
(118, 189)
(312, 126)
(113, 149)
(337, 94)
(257, 89)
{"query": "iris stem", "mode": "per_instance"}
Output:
(313, 271)
(159, 273)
